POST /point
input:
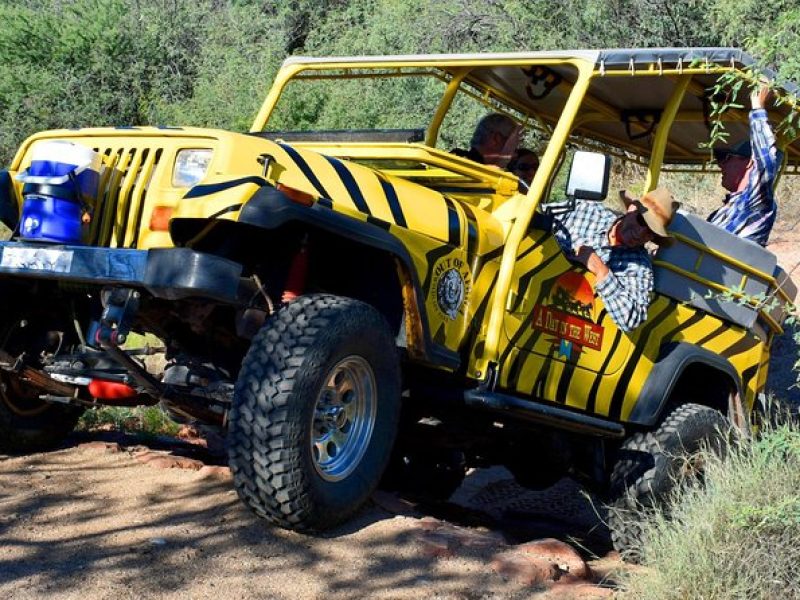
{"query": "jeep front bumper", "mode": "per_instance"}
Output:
(169, 273)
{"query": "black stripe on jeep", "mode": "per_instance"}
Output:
(394, 202)
(740, 346)
(665, 339)
(525, 328)
(525, 279)
(569, 369)
(747, 375)
(226, 210)
(719, 330)
(615, 408)
(350, 183)
(206, 190)
(453, 223)
(379, 222)
(544, 291)
(306, 170)
(472, 229)
(591, 400)
(670, 335)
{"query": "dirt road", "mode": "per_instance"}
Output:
(89, 524)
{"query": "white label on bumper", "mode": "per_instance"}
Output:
(37, 259)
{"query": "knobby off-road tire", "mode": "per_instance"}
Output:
(650, 465)
(315, 412)
(28, 424)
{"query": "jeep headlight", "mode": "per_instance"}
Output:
(190, 167)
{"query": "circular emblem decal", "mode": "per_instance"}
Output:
(450, 292)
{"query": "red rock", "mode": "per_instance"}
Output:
(561, 554)
(110, 447)
(522, 568)
(436, 545)
(216, 472)
(187, 432)
(429, 523)
(578, 590)
(166, 461)
(541, 561)
(440, 539)
(477, 540)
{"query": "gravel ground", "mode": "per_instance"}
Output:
(77, 523)
(84, 523)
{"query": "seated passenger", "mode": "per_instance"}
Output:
(612, 247)
(524, 165)
(493, 143)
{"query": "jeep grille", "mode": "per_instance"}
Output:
(121, 195)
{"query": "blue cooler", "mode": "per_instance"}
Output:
(60, 187)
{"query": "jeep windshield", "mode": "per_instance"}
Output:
(394, 105)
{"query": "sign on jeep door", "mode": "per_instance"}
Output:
(560, 337)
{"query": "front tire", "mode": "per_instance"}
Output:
(28, 424)
(315, 412)
(651, 464)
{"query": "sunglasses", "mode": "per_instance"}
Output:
(727, 158)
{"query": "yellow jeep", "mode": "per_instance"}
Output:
(339, 297)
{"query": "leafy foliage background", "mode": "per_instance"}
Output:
(73, 63)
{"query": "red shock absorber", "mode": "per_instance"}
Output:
(298, 272)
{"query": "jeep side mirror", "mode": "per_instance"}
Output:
(588, 176)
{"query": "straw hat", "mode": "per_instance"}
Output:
(657, 208)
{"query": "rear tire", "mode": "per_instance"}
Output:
(315, 412)
(651, 464)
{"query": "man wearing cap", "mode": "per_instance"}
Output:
(748, 170)
(612, 247)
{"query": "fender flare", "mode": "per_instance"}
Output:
(672, 361)
(270, 208)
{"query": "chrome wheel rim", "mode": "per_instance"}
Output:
(343, 419)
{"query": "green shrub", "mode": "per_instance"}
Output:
(149, 420)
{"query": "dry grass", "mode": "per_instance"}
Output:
(736, 537)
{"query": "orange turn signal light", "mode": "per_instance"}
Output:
(296, 195)
(159, 219)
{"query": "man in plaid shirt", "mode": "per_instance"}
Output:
(612, 247)
(748, 172)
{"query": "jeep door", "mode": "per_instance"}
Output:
(560, 341)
